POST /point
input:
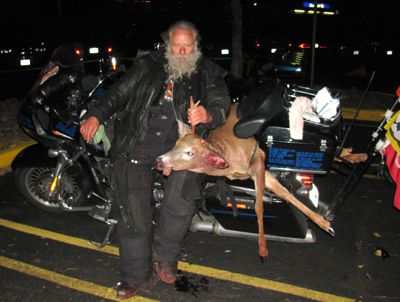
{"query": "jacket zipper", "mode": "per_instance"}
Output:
(135, 136)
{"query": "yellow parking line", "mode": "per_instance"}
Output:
(66, 281)
(109, 249)
(191, 268)
(262, 283)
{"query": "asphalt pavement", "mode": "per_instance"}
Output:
(48, 257)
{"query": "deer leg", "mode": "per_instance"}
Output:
(275, 186)
(258, 172)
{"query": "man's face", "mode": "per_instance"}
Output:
(182, 43)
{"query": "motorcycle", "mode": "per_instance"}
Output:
(64, 173)
(61, 172)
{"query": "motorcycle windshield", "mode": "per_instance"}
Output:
(67, 58)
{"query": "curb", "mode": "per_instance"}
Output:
(8, 155)
(370, 115)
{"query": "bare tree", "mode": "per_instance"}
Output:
(237, 52)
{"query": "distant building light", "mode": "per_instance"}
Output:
(319, 5)
(298, 69)
(316, 45)
(93, 50)
(5, 51)
(342, 47)
(356, 52)
(254, 3)
(312, 11)
(25, 62)
(299, 11)
(273, 50)
(224, 51)
(389, 53)
(329, 13)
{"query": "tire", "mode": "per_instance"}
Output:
(34, 183)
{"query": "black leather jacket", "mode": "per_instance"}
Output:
(133, 94)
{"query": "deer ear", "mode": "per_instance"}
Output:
(215, 161)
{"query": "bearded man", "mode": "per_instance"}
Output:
(151, 98)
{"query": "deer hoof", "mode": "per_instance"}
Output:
(263, 259)
(331, 232)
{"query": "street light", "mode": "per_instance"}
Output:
(314, 8)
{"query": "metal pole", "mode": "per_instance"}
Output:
(59, 9)
(314, 37)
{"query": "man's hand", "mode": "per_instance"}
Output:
(89, 127)
(198, 114)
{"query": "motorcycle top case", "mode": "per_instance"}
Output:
(313, 154)
(324, 126)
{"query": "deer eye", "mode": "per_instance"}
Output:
(190, 153)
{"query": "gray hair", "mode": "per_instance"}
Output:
(182, 24)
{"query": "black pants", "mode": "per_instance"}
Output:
(134, 185)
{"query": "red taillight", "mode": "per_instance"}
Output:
(109, 50)
(305, 179)
(78, 52)
(304, 45)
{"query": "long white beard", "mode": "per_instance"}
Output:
(177, 69)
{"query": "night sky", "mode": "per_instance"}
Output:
(127, 22)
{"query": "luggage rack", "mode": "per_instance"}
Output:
(293, 91)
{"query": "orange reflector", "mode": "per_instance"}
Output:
(78, 52)
(238, 205)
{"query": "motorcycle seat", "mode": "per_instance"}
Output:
(260, 106)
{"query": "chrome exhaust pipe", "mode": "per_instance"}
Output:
(206, 222)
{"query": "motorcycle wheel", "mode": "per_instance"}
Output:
(34, 184)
